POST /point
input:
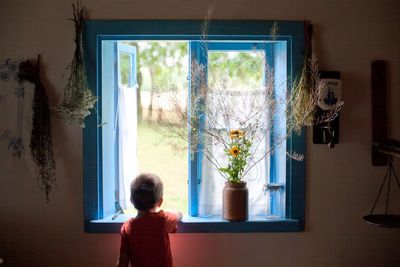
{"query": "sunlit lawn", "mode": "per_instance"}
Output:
(156, 156)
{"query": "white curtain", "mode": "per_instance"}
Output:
(242, 105)
(127, 136)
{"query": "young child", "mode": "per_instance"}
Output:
(144, 239)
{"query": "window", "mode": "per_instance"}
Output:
(110, 151)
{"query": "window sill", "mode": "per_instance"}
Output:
(213, 224)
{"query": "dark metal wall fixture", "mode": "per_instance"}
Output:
(379, 117)
(384, 150)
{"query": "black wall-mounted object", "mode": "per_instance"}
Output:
(328, 132)
(379, 113)
(384, 150)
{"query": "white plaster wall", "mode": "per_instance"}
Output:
(341, 183)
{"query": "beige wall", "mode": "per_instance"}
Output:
(341, 183)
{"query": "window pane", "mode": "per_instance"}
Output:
(236, 69)
(163, 70)
(237, 91)
(125, 68)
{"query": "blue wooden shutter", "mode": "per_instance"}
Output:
(111, 78)
(130, 51)
(109, 159)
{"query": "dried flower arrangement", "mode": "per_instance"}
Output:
(41, 139)
(78, 98)
(211, 124)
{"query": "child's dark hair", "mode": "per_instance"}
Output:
(146, 191)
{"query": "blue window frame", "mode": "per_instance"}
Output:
(99, 191)
(275, 60)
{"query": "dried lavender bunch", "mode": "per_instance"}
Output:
(15, 143)
(41, 144)
(78, 98)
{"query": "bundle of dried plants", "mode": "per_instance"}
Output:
(78, 98)
(41, 144)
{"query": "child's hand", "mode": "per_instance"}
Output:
(177, 213)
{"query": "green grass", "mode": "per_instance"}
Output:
(156, 156)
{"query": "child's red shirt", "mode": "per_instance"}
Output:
(145, 239)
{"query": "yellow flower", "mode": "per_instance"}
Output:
(236, 134)
(234, 151)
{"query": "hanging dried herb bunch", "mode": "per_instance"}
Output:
(41, 140)
(304, 97)
(78, 98)
(303, 101)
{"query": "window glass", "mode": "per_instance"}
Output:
(125, 68)
(236, 70)
(236, 99)
(160, 69)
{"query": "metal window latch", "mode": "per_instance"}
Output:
(119, 211)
